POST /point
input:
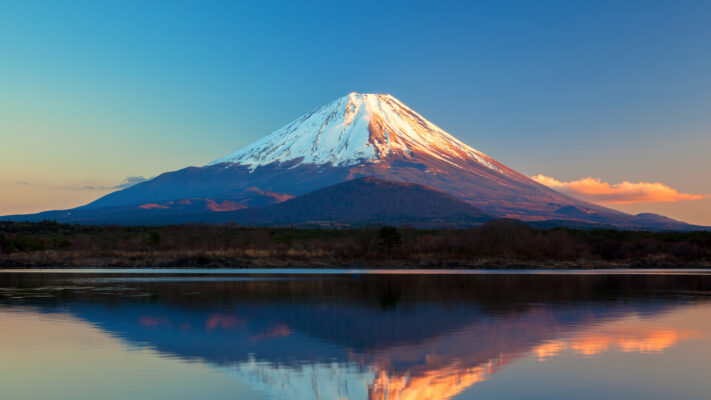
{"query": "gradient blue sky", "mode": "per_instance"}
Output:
(94, 92)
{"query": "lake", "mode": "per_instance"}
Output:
(334, 334)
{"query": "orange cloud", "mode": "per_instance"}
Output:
(597, 191)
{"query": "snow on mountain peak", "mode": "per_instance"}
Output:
(357, 128)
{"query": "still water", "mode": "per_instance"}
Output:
(329, 335)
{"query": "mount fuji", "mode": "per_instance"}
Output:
(356, 136)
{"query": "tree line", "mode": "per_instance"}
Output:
(501, 241)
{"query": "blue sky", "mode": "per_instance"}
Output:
(94, 92)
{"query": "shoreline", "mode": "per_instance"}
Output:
(207, 263)
(353, 271)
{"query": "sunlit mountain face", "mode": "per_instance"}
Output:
(359, 135)
(368, 336)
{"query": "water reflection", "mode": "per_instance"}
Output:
(371, 337)
(640, 340)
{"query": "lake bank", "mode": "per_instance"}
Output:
(220, 260)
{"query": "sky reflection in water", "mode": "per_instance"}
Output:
(85, 336)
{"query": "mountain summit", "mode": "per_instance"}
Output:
(355, 136)
(354, 129)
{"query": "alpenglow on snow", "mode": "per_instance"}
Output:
(353, 129)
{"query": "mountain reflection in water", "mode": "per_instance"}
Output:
(370, 336)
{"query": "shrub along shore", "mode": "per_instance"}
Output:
(496, 244)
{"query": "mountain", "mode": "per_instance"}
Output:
(368, 200)
(355, 136)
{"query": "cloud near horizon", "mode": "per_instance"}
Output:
(126, 183)
(597, 191)
(130, 181)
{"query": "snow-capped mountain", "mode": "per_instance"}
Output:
(357, 128)
(377, 135)
(355, 136)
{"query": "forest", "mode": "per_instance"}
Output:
(495, 244)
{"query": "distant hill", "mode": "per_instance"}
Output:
(368, 200)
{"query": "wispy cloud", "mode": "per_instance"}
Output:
(130, 181)
(597, 191)
(127, 182)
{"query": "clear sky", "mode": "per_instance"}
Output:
(95, 93)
